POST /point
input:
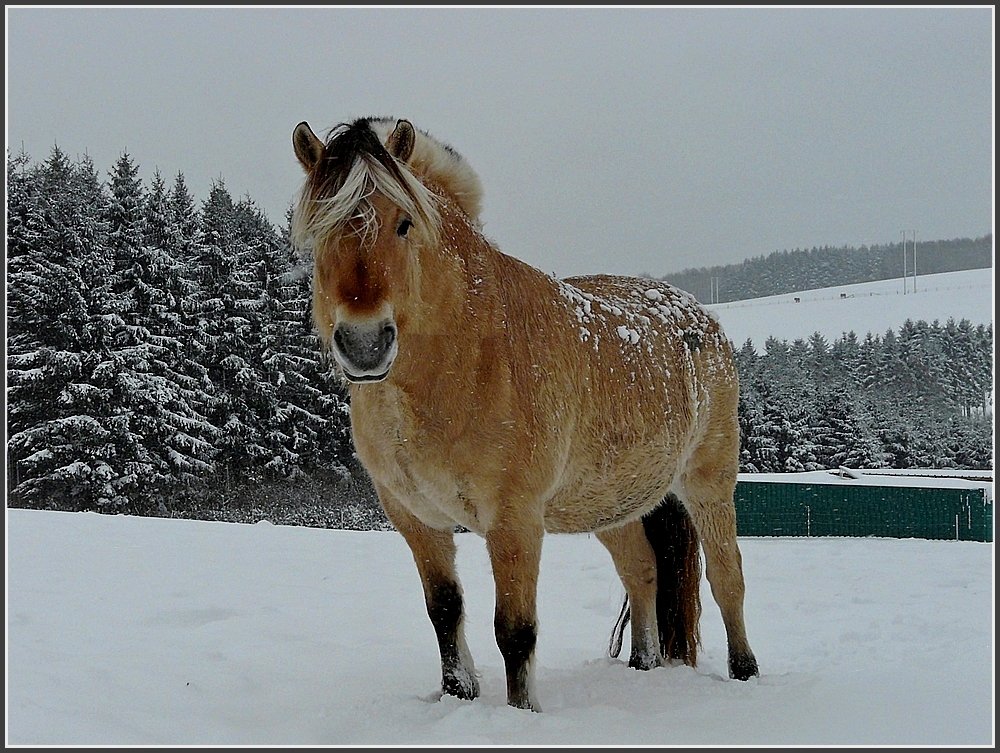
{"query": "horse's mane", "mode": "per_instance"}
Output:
(440, 164)
(356, 163)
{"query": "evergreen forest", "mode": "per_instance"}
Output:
(829, 266)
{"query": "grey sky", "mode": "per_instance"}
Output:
(643, 140)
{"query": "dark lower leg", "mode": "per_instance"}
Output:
(444, 606)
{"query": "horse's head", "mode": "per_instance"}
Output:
(365, 217)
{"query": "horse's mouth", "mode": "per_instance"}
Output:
(360, 378)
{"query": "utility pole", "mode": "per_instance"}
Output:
(903, 234)
(914, 239)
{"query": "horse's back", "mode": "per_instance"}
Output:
(647, 339)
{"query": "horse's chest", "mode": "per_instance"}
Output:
(413, 467)
(434, 494)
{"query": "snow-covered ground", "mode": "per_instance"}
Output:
(866, 307)
(147, 631)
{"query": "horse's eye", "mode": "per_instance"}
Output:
(404, 228)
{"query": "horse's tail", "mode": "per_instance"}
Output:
(672, 535)
(674, 540)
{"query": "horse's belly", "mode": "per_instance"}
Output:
(595, 498)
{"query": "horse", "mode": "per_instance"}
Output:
(488, 395)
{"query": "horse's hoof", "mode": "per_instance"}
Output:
(466, 688)
(644, 663)
(743, 667)
(526, 705)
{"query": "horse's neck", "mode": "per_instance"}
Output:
(458, 307)
(503, 291)
(476, 301)
(472, 282)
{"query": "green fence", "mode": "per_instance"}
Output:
(765, 508)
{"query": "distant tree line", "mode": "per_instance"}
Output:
(161, 361)
(827, 266)
(913, 399)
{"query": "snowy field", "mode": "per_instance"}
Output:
(148, 631)
(866, 307)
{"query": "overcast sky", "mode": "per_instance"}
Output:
(643, 140)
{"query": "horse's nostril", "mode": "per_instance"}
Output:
(338, 338)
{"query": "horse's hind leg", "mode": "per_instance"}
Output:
(707, 493)
(636, 566)
(434, 553)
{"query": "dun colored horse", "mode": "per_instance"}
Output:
(489, 395)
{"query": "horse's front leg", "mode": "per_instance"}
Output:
(434, 553)
(515, 548)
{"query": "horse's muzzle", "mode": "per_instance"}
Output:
(365, 351)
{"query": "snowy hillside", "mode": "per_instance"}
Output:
(867, 307)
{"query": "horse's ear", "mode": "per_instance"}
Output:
(308, 148)
(400, 143)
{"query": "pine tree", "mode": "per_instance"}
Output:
(843, 434)
(138, 395)
(819, 365)
(180, 435)
(867, 377)
(184, 241)
(984, 360)
(57, 432)
(845, 359)
(25, 280)
(757, 449)
(227, 276)
(973, 351)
